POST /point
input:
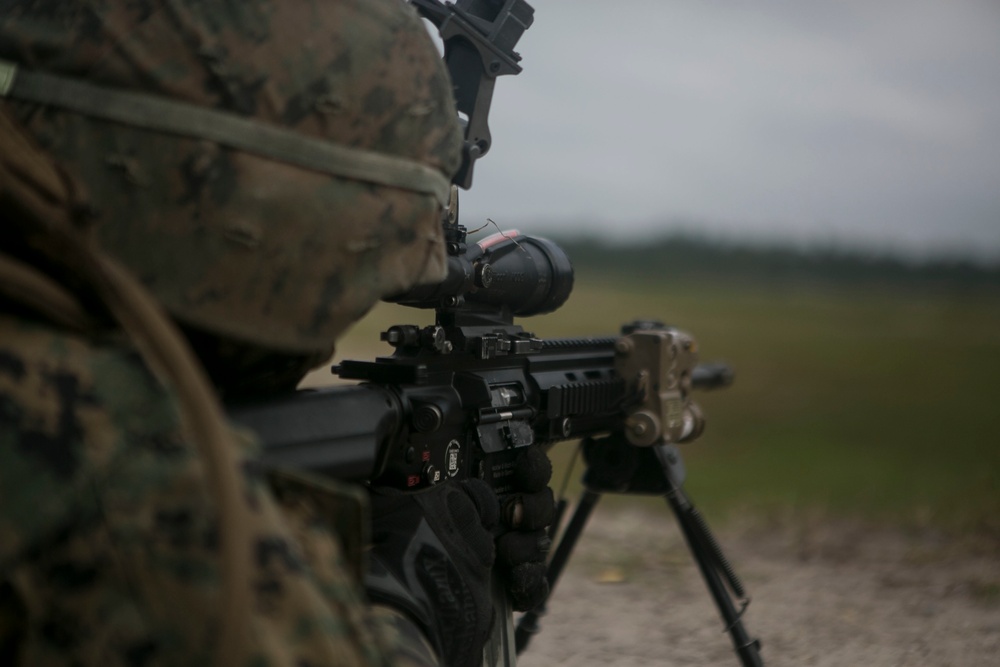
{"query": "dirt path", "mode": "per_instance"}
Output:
(825, 593)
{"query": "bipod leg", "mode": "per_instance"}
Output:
(713, 564)
(527, 625)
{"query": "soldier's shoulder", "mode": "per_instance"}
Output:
(50, 372)
(72, 411)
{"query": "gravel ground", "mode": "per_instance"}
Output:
(824, 593)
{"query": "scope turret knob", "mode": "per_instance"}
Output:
(484, 275)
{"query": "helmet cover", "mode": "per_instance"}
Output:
(240, 245)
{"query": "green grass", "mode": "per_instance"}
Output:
(877, 403)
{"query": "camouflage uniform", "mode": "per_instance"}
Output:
(109, 531)
(107, 553)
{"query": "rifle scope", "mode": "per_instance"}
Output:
(524, 274)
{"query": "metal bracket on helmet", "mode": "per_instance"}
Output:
(479, 38)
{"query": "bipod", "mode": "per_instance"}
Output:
(615, 466)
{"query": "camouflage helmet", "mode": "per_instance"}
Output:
(239, 239)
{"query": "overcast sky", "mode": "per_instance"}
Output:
(859, 122)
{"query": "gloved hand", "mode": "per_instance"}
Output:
(432, 554)
(526, 513)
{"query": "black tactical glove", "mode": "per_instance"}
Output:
(432, 554)
(527, 512)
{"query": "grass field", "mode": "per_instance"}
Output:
(879, 403)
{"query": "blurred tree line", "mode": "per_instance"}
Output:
(692, 258)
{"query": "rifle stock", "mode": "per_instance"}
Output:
(335, 431)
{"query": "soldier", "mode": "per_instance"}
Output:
(263, 172)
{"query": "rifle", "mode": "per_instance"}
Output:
(462, 397)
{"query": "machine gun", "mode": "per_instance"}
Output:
(462, 397)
